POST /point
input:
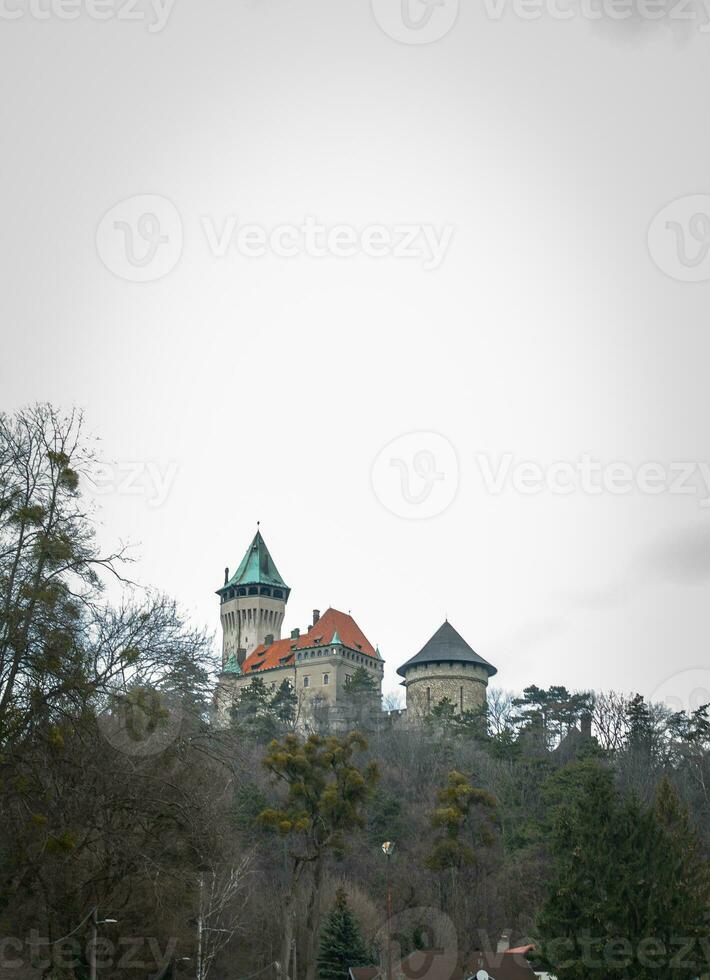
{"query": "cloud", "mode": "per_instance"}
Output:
(633, 25)
(682, 558)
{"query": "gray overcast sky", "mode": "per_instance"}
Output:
(376, 411)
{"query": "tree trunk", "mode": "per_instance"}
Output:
(289, 923)
(312, 919)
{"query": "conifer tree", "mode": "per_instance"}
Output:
(341, 943)
(629, 891)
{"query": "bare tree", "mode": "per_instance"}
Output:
(223, 894)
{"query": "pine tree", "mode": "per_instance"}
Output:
(629, 891)
(640, 723)
(361, 700)
(682, 883)
(341, 944)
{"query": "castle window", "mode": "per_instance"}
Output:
(241, 592)
(306, 681)
(326, 678)
(428, 697)
(253, 590)
(265, 590)
(278, 594)
(461, 698)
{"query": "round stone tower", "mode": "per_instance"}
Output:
(445, 667)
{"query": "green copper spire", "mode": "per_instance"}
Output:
(232, 667)
(336, 638)
(257, 568)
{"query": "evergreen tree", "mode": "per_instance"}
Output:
(629, 890)
(552, 712)
(682, 883)
(361, 700)
(640, 724)
(262, 713)
(460, 804)
(341, 943)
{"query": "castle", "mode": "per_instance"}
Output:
(320, 662)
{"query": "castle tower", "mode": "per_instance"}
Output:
(445, 667)
(252, 603)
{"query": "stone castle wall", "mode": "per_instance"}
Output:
(314, 696)
(464, 684)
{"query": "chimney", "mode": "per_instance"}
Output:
(226, 575)
(295, 633)
(316, 616)
(268, 640)
(585, 724)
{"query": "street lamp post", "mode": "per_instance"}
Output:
(388, 848)
(95, 922)
(200, 926)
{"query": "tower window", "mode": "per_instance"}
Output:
(278, 594)
(461, 698)
(326, 678)
(428, 697)
(306, 681)
(253, 590)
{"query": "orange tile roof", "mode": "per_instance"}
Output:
(281, 652)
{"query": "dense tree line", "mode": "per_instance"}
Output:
(255, 850)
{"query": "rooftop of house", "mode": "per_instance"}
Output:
(333, 628)
(446, 646)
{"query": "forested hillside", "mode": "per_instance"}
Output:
(119, 794)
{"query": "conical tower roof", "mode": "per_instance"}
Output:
(446, 646)
(257, 567)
